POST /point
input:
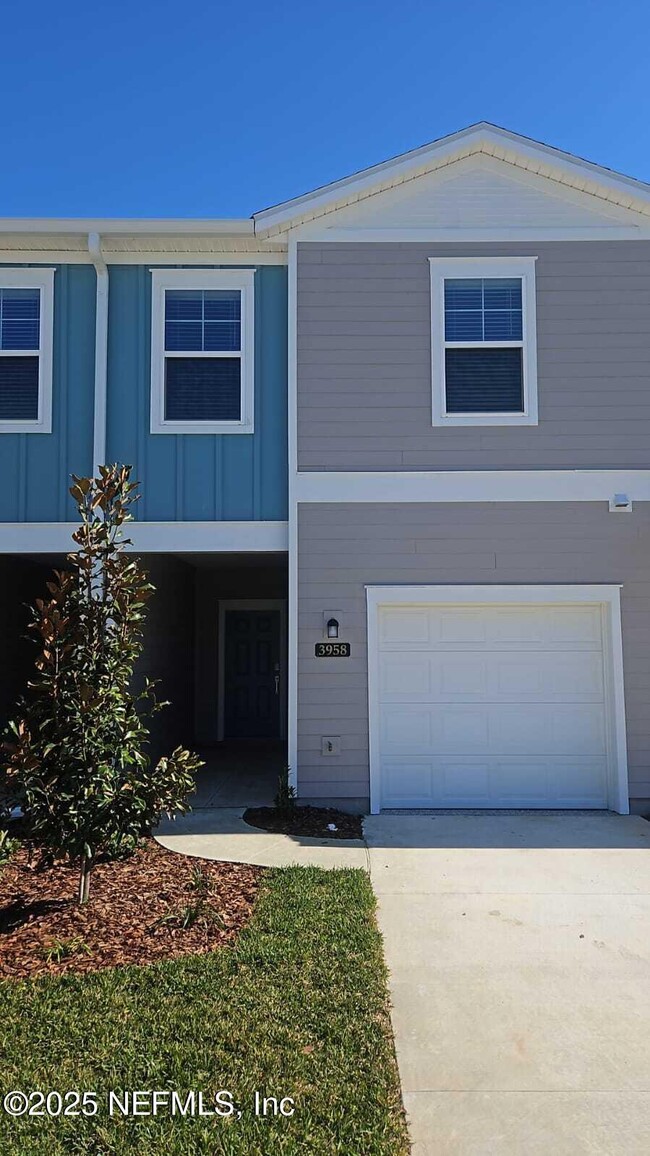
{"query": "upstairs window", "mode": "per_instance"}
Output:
(483, 341)
(26, 350)
(202, 351)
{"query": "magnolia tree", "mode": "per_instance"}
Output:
(77, 754)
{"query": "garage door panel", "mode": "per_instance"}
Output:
(459, 624)
(408, 783)
(407, 730)
(491, 627)
(580, 783)
(497, 728)
(561, 676)
(459, 675)
(575, 624)
(492, 706)
(499, 782)
(407, 677)
(519, 677)
(405, 624)
(574, 729)
(522, 782)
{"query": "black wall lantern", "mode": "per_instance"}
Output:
(332, 628)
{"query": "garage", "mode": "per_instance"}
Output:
(496, 697)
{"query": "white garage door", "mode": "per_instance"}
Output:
(492, 706)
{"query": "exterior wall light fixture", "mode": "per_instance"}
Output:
(332, 628)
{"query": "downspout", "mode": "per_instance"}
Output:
(101, 351)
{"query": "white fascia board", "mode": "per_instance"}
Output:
(153, 537)
(127, 226)
(144, 257)
(166, 259)
(472, 486)
(207, 257)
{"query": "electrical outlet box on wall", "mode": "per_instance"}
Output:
(330, 745)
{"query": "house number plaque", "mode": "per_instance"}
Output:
(332, 650)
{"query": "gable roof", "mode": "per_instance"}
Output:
(482, 138)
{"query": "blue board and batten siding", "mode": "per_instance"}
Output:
(238, 477)
(228, 477)
(35, 468)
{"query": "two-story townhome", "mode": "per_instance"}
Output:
(420, 397)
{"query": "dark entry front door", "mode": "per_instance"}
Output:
(252, 674)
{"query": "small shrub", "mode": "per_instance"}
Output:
(285, 798)
(200, 911)
(8, 847)
(200, 882)
(59, 949)
(77, 753)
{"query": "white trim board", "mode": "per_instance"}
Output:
(292, 446)
(472, 485)
(207, 257)
(131, 226)
(608, 597)
(226, 604)
(153, 537)
(307, 234)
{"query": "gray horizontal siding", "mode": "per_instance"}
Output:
(343, 548)
(364, 360)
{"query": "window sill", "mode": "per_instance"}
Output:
(202, 427)
(484, 420)
(25, 427)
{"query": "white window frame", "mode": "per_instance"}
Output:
(484, 267)
(241, 279)
(42, 279)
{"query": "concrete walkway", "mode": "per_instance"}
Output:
(221, 833)
(519, 953)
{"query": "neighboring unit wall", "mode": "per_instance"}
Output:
(343, 548)
(364, 359)
(169, 650)
(35, 468)
(198, 478)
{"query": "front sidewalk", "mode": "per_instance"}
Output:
(221, 833)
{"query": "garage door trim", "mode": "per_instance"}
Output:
(608, 597)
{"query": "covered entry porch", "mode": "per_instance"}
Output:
(215, 637)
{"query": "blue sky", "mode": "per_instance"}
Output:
(211, 109)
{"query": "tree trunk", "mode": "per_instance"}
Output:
(84, 878)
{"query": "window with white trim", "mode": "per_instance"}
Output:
(26, 334)
(483, 341)
(202, 350)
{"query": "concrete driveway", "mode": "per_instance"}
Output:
(519, 952)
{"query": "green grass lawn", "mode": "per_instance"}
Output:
(297, 1008)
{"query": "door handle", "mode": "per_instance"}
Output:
(277, 683)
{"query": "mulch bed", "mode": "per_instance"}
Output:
(136, 913)
(310, 821)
